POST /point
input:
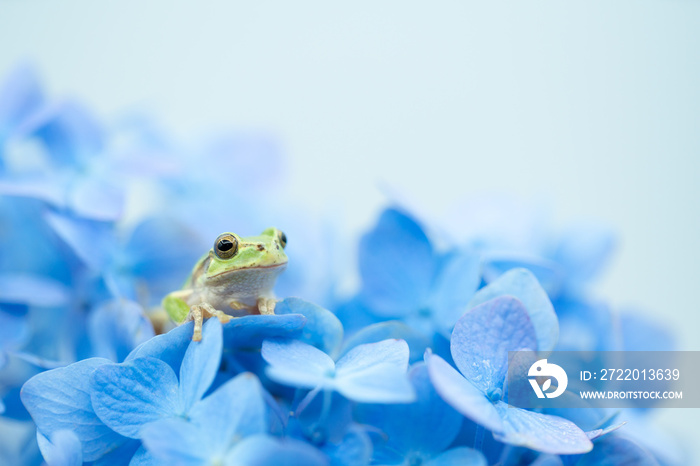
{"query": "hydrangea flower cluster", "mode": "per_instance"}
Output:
(99, 222)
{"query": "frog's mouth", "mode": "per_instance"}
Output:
(244, 269)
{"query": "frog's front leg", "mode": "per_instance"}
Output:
(199, 312)
(266, 306)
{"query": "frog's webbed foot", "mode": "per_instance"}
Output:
(266, 306)
(199, 312)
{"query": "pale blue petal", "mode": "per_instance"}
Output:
(456, 284)
(20, 95)
(32, 290)
(541, 432)
(461, 394)
(236, 409)
(355, 449)
(64, 448)
(297, 364)
(160, 253)
(375, 373)
(59, 399)
(549, 274)
(392, 329)
(169, 347)
(117, 327)
(522, 284)
(200, 364)
(142, 457)
(397, 265)
(129, 395)
(95, 198)
(460, 456)
(483, 336)
(617, 450)
(177, 442)
(598, 433)
(91, 240)
(69, 132)
(14, 330)
(322, 330)
(429, 425)
(263, 450)
(250, 331)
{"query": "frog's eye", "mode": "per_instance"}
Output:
(283, 238)
(226, 246)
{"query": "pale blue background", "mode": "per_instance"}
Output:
(592, 107)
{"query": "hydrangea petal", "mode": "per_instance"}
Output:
(237, 408)
(176, 441)
(64, 448)
(615, 450)
(392, 329)
(322, 330)
(59, 399)
(250, 331)
(91, 240)
(583, 251)
(129, 395)
(97, 199)
(200, 364)
(455, 285)
(263, 450)
(20, 94)
(117, 327)
(396, 263)
(541, 432)
(32, 290)
(461, 394)
(460, 456)
(522, 284)
(375, 372)
(355, 449)
(548, 273)
(295, 363)
(483, 336)
(428, 425)
(169, 347)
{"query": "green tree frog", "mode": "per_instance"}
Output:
(234, 278)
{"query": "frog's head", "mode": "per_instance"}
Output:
(232, 252)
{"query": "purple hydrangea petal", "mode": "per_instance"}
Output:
(59, 399)
(461, 394)
(200, 364)
(541, 432)
(397, 264)
(483, 336)
(128, 396)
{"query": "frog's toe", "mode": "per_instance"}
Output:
(266, 306)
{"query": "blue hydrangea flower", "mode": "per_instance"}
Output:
(420, 432)
(480, 344)
(374, 372)
(404, 277)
